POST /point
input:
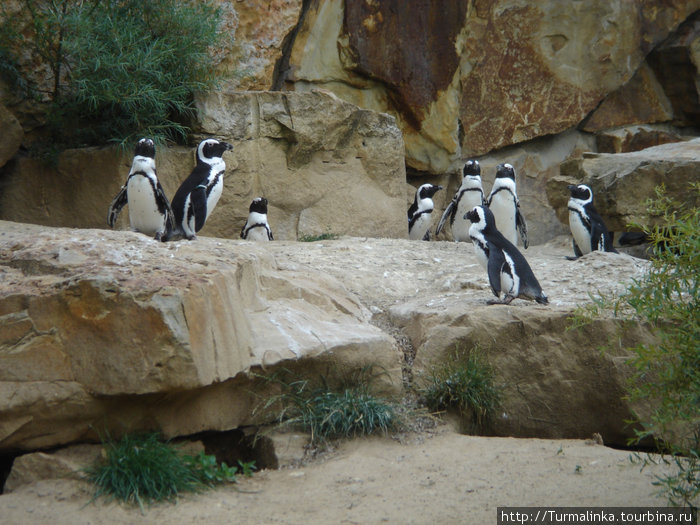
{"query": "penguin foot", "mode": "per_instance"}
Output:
(506, 300)
(572, 257)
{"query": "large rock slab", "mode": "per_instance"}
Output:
(622, 182)
(323, 164)
(112, 331)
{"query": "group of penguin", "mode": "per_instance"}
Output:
(150, 211)
(494, 224)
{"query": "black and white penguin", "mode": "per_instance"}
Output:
(503, 202)
(469, 194)
(149, 208)
(507, 269)
(587, 226)
(420, 212)
(256, 227)
(197, 196)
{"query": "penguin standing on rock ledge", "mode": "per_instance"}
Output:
(197, 196)
(503, 202)
(149, 208)
(420, 212)
(587, 226)
(256, 227)
(507, 269)
(469, 194)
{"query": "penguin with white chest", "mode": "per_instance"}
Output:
(149, 208)
(199, 193)
(420, 212)
(587, 227)
(256, 227)
(503, 202)
(469, 194)
(507, 269)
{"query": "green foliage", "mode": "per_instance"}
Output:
(667, 372)
(322, 237)
(143, 469)
(464, 381)
(121, 69)
(329, 414)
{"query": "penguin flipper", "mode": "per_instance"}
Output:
(244, 233)
(198, 201)
(269, 235)
(116, 206)
(449, 212)
(163, 201)
(521, 225)
(577, 251)
(494, 266)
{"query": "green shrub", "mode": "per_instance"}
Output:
(465, 381)
(331, 413)
(314, 238)
(667, 372)
(121, 69)
(143, 469)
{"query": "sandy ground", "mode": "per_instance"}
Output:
(438, 478)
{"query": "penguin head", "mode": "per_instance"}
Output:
(426, 191)
(145, 148)
(481, 216)
(471, 169)
(581, 193)
(212, 149)
(505, 171)
(259, 205)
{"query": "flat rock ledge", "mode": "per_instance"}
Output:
(111, 331)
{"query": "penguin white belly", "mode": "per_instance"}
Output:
(420, 227)
(503, 209)
(580, 233)
(460, 227)
(510, 284)
(481, 257)
(144, 215)
(259, 233)
(214, 195)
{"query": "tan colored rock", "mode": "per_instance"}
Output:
(635, 138)
(623, 182)
(98, 323)
(323, 164)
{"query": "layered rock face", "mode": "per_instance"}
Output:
(113, 331)
(322, 163)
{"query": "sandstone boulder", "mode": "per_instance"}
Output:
(113, 331)
(622, 182)
(323, 164)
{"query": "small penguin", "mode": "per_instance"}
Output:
(503, 202)
(197, 196)
(507, 269)
(419, 214)
(469, 194)
(149, 208)
(587, 227)
(256, 227)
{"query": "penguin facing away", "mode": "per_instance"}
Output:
(469, 194)
(507, 269)
(420, 212)
(199, 193)
(149, 208)
(587, 227)
(503, 202)
(256, 227)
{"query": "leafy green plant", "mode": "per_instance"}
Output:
(121, 69)
(666, 373)
(142, 469)
(328, 413)
(465, 381)
(321, 237)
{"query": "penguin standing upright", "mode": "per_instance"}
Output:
(197, 196)
(587, 227)
(507, 269)
(503, 202)
(420, 212)
(149, 208)
(256, 227)
(469, 194)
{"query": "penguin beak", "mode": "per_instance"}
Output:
(571, 187)
(228, 146)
